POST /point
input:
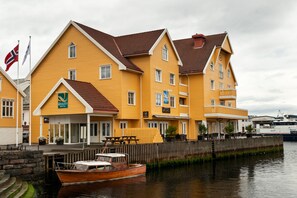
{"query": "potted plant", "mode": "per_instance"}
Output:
(229, 129)
(59, 140)
(249, 130)
(202, 130)
(41, 140)
(170, 133)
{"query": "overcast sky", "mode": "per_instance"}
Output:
(263, 35)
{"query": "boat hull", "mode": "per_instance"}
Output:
(71, 177)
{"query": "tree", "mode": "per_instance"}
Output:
(229, 128)
(202, 128)
(249, 129)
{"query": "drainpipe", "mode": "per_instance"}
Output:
(140, 100)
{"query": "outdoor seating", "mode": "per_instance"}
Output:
(120, 140)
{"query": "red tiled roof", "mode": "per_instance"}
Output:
(136, 44)
(194, 60)
(92, 96)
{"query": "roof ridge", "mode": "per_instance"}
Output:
(210, 35)
(140, 33)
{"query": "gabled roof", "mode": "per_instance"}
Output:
(120, 48)
(11, 81)
(195, 60)
(86, 93)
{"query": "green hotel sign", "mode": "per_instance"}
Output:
(62, 100)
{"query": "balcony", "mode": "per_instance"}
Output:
(219, 111)
(183, 89)
(228, 94)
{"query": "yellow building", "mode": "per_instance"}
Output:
(91, 84)
(10, 127)
(208, 83)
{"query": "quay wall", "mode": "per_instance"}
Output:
(28, 165)
(183, 151)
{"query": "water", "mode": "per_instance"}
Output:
(273, 175)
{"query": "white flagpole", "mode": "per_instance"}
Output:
(30, 103)
(17, 110)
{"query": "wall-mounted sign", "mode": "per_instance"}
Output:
(62, 100)
(165, 93)
(145, 114)
(165, 110)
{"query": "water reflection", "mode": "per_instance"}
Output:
(244, 177)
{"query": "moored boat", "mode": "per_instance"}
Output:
(107, 166)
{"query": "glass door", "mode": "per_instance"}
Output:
(94, 137)
(105, 129)
(163, 126)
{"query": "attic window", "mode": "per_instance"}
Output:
(72, 50)
(165, 53)
(211, 66)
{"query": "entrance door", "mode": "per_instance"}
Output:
(163, 126)
(105, 129)
(94, 137)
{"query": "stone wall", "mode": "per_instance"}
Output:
(29, 165)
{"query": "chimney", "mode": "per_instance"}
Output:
(199, 40)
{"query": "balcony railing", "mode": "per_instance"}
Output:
(218, 111)
(228, 94)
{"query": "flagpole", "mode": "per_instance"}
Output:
(30, 103)
(17, 110)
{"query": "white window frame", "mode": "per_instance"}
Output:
(158, 99)
(134, 98)
(70, 52)
(212, 102)
(5, 106)
(212, 84)
(152, 124)
(221, 86)
(221, 71)
(184, 128)
(212, 66)
(172, 79)
(172, 99)
(101, 72)
(158, 75)
(123, 124)
(165, 53)
(70, 75)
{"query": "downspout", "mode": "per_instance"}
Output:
(140, 98)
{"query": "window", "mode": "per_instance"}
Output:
(131, 98)
(158, 75)
(158, 99)
(172, 101)
(221, 86)
(229, 73)
(212, 66)
(222, 102)
(7, 107)
(182, 101)
(229, 104)
(212, 84)
(212, 102)
(123, 124)
(105, 72)
(172, 79)
(152, 124)
(221, 73)
(72, 74)
(165, 53)
(71, 51)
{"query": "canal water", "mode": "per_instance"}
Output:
(273, 175)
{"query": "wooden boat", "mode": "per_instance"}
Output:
(107, 166)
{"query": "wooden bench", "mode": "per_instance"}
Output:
(128, 139)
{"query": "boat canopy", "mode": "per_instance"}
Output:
(112, 155)
(92, 163)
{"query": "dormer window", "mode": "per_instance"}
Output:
(165, 53)
(72, 50)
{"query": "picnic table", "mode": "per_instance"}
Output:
(120, 140)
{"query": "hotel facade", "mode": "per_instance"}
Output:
(91, 85)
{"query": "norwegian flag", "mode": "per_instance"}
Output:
(12, 57)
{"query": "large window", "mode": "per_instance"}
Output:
(72, 74)
(105, 72)
(158, 99)
(71, 50)
(165, 53)
(7, 107)
(158, 75)
(131, 98)
(152, 124)
(172, 79)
